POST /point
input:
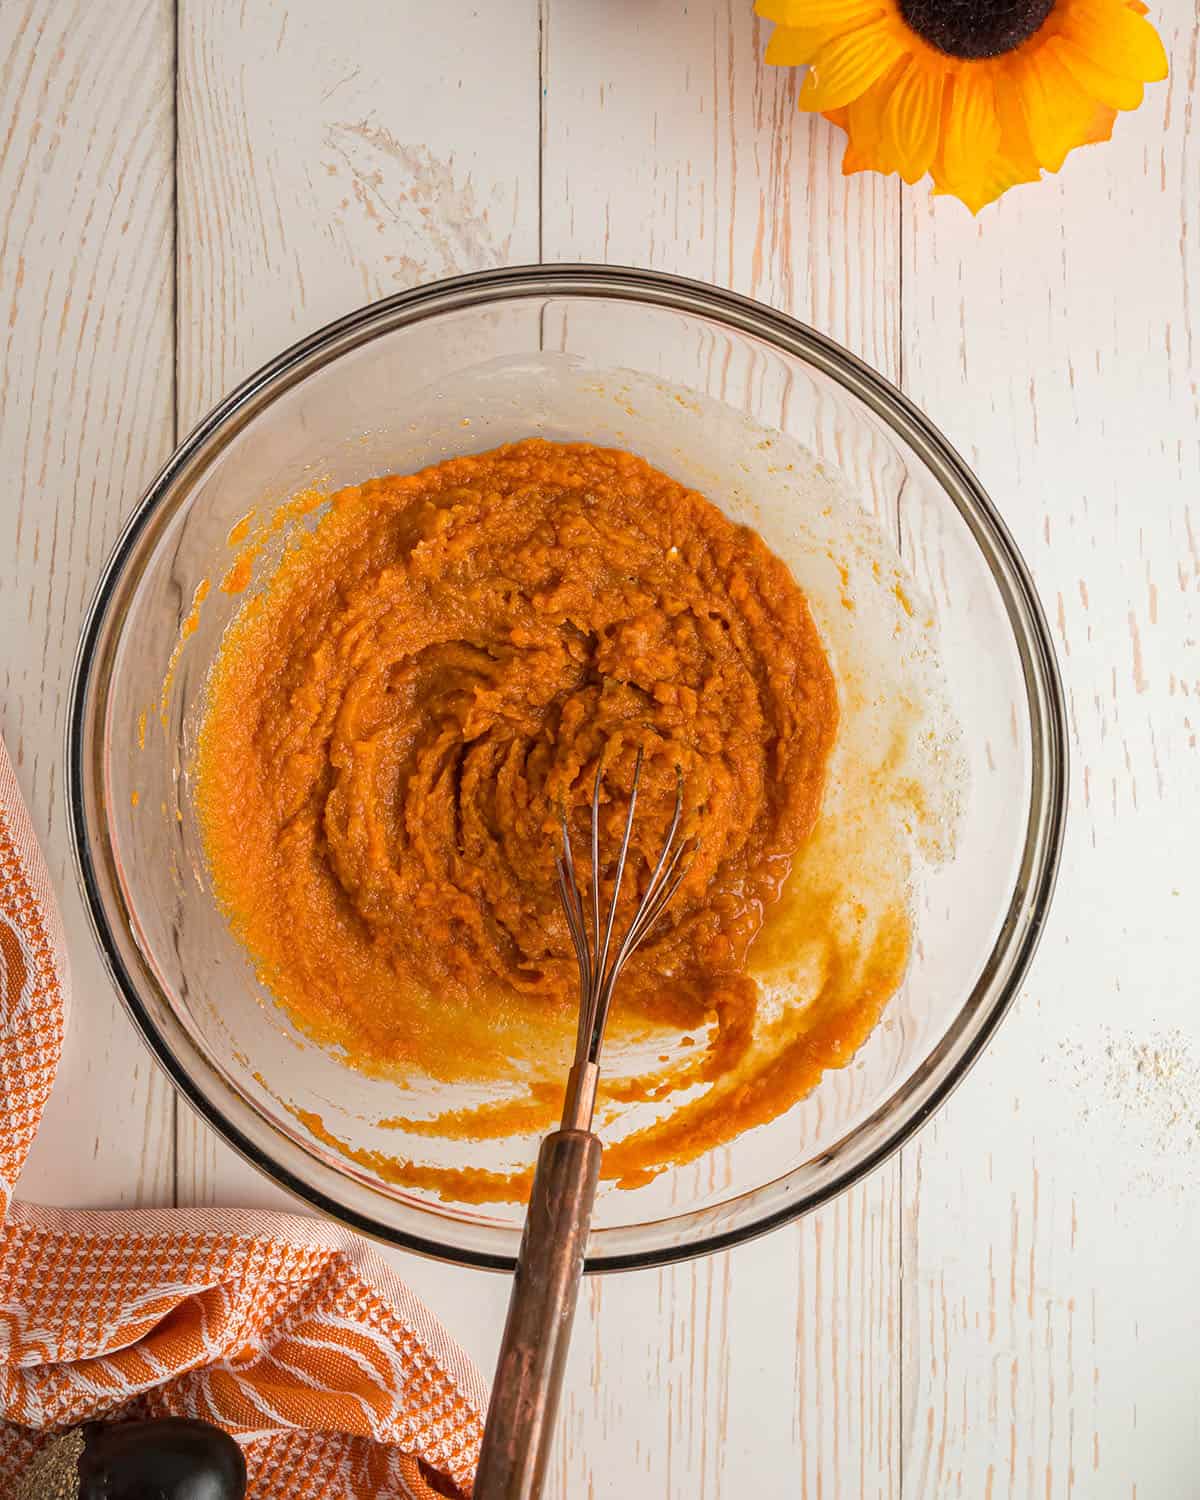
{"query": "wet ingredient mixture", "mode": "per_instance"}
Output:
(394, 725)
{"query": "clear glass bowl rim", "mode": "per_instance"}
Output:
(894, 1121)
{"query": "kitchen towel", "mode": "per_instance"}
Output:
(290, 1333)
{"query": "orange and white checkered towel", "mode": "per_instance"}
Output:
(288, 1332)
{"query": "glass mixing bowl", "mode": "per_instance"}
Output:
(725, 395)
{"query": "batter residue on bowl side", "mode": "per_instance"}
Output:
(394, 725)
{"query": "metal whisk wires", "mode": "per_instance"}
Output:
(598, 972)
(529, 1373)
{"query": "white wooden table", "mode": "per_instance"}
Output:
(1011, 1308)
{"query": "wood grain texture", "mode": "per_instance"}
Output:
(86, 415)
(331, 154)
(1051, 1220)
(774, 1369)
(1010, 1310)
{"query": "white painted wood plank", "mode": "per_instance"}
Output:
(330, 155)
(772, 1370)
(86, 416)
(1052, 1225)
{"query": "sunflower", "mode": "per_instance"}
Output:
(981, 94)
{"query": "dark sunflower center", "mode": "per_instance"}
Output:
(975, 28)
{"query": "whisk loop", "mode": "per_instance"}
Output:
(597, 974)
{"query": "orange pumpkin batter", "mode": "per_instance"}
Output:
(397, 719)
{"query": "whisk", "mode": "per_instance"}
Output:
(541, 1309)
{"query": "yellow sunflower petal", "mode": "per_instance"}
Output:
(794, 46)
(832, 15)
(970, 139)
(990, 182)
(913, 118)
(858, 161)
(1015, 145)
(848, 66)
(1058, 114)
(1100, 127)
(862, 120)
(1115, 37)
(1106, 87)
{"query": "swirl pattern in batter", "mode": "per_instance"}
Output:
(397, 719)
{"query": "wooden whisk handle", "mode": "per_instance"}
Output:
(541, 1309)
